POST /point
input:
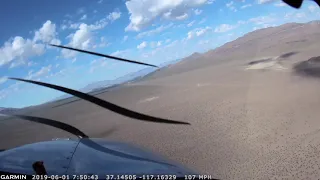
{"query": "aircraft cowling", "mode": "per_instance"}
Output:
(69, 157)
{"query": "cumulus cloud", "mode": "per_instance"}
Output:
(38, 74)
(114, 15)
(47, 33)
(143, 13)
(82, 38)
(154, 31)
(19, 49)
(223, 28)
(142, 45)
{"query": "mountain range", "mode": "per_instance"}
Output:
(289, 34)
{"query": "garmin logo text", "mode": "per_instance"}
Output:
(13, 177)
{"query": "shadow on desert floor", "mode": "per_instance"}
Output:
(308, 68)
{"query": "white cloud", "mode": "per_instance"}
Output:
(200, 32)
(114, 15)
(80, 39)
(265, 1)
(19, 49)
(223, 28)
(3, 79)
(84, 17)
(182, 17)
(197, 32)
(47, 33)
(210, 1)
(143, 13)
(230, 6)
(197, 11)
(83, 37)
(312, 8)
(260, 20)
(142, 45)
(154, 44)
(63, 26)
(246, 6)
(103, 42)
(280, 4)
(154, 31)
(17, 63)
(100, 24)
(190, 35)
(120, 53)
(42, 72)
(191, 23)
(171, 44)
(74, 25)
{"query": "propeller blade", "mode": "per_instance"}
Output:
(295, 3)
(84, 139)
(104, 104)
(103, 55)
(53, 123)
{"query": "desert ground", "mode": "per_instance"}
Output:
(254, 113)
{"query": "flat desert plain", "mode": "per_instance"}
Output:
(253, 105)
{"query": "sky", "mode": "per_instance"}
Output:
(151, 31)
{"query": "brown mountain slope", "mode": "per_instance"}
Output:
(272, 41)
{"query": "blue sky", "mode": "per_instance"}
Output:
(151, 31)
